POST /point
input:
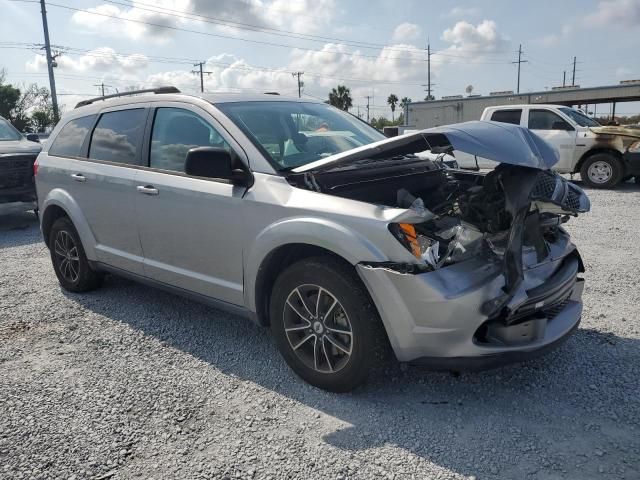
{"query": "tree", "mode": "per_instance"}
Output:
(9, 96)
(340, 97)
(392, 101)
(404, 103)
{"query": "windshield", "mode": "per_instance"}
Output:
(579, 117)
(292, 134)
(8, 132)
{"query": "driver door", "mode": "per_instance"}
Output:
(557, 131)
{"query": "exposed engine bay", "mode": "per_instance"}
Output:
(454, 214)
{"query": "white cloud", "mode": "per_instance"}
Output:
(614, 14)
(553, 39)
(302, 16)
(101, 60)
(475, 41)
(458, 12)
(406, 32)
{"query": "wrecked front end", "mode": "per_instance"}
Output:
(495, 276)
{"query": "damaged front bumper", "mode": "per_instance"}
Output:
(436, 318)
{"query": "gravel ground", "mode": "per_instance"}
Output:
(130, 382)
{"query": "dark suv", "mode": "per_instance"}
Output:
(17, 155)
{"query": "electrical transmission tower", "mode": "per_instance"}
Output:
(202, 73)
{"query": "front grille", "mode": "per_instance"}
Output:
(573, 199)
(545, 186)
(16, 170)
(553, 311)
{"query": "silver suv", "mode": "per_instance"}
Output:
(304, 218)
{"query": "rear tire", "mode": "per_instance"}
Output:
(309, 335)
(601, 170)
(69, 260)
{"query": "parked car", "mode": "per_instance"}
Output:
(305, 219)
(17, 156)
(598, 153)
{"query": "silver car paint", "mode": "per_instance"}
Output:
(211, 238)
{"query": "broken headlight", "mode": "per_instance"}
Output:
(421, 246)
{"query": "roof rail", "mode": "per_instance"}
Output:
(157, 90)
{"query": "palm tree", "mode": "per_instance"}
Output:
(404, 103)
(341, 97)
(392, 101)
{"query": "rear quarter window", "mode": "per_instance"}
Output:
(69, 141)
(507, 116)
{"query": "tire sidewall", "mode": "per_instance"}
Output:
(349, 293)
(85, 274)
(616, 167)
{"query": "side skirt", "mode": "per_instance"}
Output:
(197, 297)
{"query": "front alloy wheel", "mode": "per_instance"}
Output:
(325, 325)
(318, 328)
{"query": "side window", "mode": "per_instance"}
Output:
(544, 120)
(507, 116)
(69, 141)
(118, 136)
(175, 132)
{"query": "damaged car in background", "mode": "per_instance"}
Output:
(304, 218)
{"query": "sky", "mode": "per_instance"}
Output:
(373, 47)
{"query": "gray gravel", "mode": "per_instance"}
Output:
(130, 382)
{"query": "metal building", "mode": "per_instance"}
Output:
(458, 109)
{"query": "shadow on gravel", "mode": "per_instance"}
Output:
(17, 229)
(630, 186)
(534, 419)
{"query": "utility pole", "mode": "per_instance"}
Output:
(47, 47)
(520, 61)
(368, 97)
(564, 78)
(101, 85)
(573, 80)
(300, 82)
(200, 64)
(428, 70)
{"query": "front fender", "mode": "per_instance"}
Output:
(320, 232)
(62, 199)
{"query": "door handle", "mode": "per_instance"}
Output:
(78, 177)
(147, 189)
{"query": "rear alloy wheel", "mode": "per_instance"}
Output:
(69, 260)
(325, 325)
(601, 171)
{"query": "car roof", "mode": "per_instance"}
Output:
(522, 105)
(214, 98)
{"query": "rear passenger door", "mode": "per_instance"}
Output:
(103, 185)
(191, 228)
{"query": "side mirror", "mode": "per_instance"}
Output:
(213, 162)
(561, 125)
(33, 137)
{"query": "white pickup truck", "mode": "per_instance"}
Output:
(603, 156)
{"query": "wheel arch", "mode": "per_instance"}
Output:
(291, 240)
(58, 204)
(594, 151)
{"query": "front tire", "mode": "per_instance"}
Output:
(69, 260)
(601, 170)
(325, 324)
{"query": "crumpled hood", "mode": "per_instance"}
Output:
(19, 146)
(615, 130)
(500, 142)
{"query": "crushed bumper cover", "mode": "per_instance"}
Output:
(436, 318)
